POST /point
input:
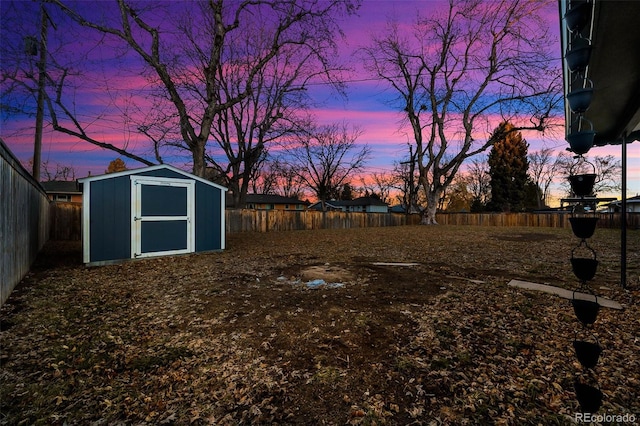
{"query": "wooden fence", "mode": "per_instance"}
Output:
(548, 220)
(66, 221)
(24, 221)
(286, 220)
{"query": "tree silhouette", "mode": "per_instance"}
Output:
(508, 168)
(457, 69)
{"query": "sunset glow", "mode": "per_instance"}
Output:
(111, 116)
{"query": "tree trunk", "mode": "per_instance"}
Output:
(429, 213)
(199, 164)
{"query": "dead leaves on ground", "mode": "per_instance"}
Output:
(218, 339)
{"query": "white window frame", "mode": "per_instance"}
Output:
(136, 214)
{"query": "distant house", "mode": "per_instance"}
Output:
(330, 206)
(362, 204)
(274, 202)
(633, 205)
(62, 190)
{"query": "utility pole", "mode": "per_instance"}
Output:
(37, 146)
(412, 166)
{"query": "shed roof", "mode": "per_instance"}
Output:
(149, 169)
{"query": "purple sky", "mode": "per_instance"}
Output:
(366, 106)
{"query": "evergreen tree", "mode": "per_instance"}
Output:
(347, 192)
(508, 167)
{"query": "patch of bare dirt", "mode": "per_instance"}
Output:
(239, 338)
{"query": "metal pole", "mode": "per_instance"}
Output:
(623, 217)
(37, 146)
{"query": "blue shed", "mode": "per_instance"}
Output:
(153, 211)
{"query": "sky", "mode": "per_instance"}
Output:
(366, 105)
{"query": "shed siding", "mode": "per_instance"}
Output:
(162, 173)
(208, 218)
(110, 226)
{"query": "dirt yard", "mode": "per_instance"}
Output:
(241, 337)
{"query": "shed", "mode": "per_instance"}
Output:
(153, 211)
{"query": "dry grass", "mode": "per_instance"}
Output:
(235, 338)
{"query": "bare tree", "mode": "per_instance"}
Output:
(59, 72)
(271, 111)
(289, 182)
(50, 171)
(326, 157)
(189, 55)
(479, 182)
(407, 183)
(380, 184)
(265, 182)
(459, 69)
(62, 172)
(544, 167)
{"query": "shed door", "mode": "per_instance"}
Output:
(163, 216)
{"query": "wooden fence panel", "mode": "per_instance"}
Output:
(288, 220)
(543, 220)
(24, 221)
(66, 221)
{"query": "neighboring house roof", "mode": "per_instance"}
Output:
(330, 205)
(61, 187)
(631, 200)
(272, 199)
(361, 201)
(398, 208)
(148, 169)
(358, 202)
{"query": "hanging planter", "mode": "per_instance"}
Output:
(581, 142)
(586, 310)
(582, 185)
(589, 397)
(588, 353)
(582, 180)
(578, 16)
(583, 227)
(580, 98)
(578, 55)
(581, 139)
(584, 268)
